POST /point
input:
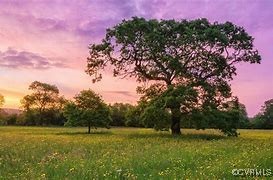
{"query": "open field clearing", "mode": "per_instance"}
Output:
(129, 153)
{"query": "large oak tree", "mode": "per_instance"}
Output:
(188, 63)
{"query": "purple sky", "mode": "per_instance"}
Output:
(47, 41)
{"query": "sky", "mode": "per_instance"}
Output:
(48, 40)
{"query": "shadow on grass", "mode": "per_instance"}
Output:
(85, 133)
(200, 136)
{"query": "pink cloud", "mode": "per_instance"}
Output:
(50, 34)
(12, 58)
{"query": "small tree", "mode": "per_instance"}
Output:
(88, 109)
(40, 106)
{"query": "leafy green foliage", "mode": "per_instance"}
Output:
(227, 118)
(88, 109)
(158, 112)
(43, 106)
(173, 56)
(133, 117)
(267, 111)
(243, 117)
(118, 113)
(258, 122)
(156, 117)
(264, 120)
(168, 50)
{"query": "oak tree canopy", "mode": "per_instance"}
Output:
(188, 63)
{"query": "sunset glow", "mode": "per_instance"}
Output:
(48, 41)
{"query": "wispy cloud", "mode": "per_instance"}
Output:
(12, 58)
(40, 23)
(123, 93)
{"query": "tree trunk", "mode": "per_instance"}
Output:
(175, 126)
(89, 128)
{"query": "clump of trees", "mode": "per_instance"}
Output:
(264, 119)
(2, 101)
(118, 112)
(44, 106)
(188, 65)
(87, 109)
(124, 114)
(5, 117)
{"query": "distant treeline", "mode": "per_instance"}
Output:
(121, 114)
(45, 107)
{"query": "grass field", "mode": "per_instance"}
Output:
(128, 153)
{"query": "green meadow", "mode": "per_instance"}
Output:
(129, 153)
